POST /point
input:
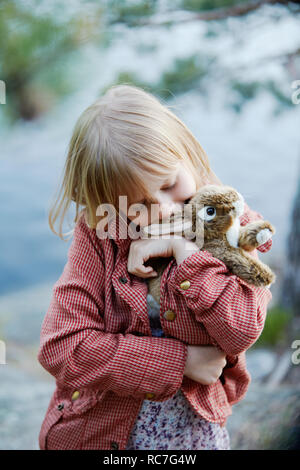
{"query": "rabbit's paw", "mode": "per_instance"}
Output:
(255, 233)
(263, 236)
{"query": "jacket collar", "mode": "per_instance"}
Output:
(120, 230)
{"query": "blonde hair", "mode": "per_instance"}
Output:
(120, 143)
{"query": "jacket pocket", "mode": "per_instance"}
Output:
(64, 425)
(77, 402)
(53, 417)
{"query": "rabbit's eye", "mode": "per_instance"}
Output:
(207, 213)
(210, 211)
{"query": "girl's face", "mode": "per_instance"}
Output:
(171, 195)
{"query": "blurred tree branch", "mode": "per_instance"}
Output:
(35, 50)
(239, 9)
(34, 53)
(209, 10)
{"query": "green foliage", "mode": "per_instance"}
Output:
(34, 55)
(245, 91)
(275, 332)
(143, 48)
(128, 78)
(188, 73)
(283, 101)
(131, 11)
(184, 75)
(25, 41)
(202, 5)
(37, 53)
(211, 32)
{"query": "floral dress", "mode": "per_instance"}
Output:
(173, 424)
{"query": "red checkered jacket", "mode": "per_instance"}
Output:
(96, 339)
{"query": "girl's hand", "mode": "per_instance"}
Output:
(183, 248)
(141, 250)
(204, 364)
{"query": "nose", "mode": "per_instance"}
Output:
(166, 210)
(167, 206)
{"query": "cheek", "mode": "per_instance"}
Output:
(142, 219)
(186, 187)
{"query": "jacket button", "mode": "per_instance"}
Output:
(123, 280)
(185, 284)
(75, 395)
(149, 396)
(114, 445)
(170, 315)
(60, 406)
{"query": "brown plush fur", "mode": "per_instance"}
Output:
(222, 235)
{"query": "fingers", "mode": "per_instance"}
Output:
(136, 265)
(142, 271)
(140, 251)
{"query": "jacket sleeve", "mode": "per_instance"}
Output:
(232, 311)
(77, 351)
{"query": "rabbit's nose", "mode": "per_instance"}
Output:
(239, 205)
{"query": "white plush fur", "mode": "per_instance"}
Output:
(233, 232)
(239, 205)
(263, 236)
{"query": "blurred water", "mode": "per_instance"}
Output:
(256, 152)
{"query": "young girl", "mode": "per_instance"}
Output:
(131, 374)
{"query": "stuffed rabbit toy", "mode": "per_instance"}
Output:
(211, 220)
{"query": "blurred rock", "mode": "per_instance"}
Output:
(23, 403)
(22, 313)
(260, 363)
(267, 418)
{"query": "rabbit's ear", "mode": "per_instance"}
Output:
(174, 225)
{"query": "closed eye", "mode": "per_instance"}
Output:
(170, 187)
(163, 189)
